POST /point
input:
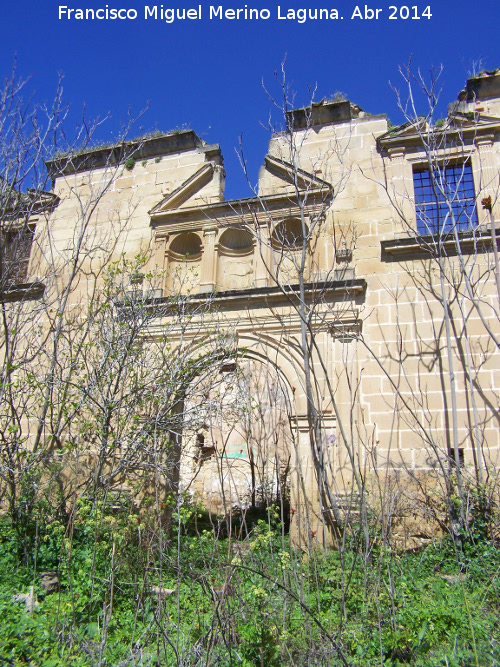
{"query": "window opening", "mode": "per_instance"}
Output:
(452, 187)
(15, 250)
(461, 456)
(229, 367)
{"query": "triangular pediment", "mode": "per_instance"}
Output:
(288, 173)
(185, 191)
(476, 121)
(415, 132)
(409, 129)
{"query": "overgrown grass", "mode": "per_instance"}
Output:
(132, 595)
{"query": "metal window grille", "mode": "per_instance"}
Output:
(15, 249)
(446, 201)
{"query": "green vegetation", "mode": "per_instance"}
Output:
(99, 398)
(130, 163)
(132, 143)
(337, 96)
(131, 594)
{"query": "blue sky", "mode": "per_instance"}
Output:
(207, 74)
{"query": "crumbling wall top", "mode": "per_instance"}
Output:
(325, 112)
(140, 149)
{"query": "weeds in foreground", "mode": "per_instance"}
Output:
(131, 595)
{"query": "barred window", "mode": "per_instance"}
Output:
(445, 202)
(15, 249)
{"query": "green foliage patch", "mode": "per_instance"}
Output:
(132, 593)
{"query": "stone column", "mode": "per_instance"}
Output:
(313, 251)
(159, 259)
(262, 256)
(208, 267)
(400, 186)
(308, 523)
(302, 516)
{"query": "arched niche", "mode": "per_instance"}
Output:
(288, 235)
(287, 241)
(186, 245)
(235, 269)
(184, 261)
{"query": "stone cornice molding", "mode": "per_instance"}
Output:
(458, 128)
(238, 212)
(264, 297)
(139, 149)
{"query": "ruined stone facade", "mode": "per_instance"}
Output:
(345, 224)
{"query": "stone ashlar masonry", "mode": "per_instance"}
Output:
(373, 273)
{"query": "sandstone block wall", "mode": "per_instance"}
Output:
(384, 365)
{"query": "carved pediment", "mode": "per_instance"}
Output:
(410, 129)
(185, 191)
(474, 121)
(288, 173)
(458, 125)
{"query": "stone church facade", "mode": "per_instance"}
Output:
(347, 232)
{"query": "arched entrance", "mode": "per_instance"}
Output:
(238, 451)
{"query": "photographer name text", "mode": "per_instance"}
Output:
(246, 13)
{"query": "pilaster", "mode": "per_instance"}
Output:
(262, 255)
(159, 258)
(485, 168)
(208, 268)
